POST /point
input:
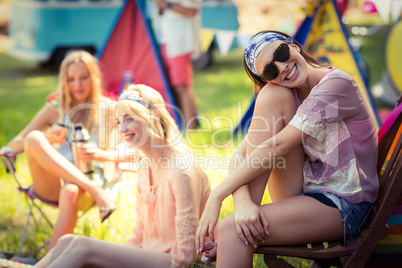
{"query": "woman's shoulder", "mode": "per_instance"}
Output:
(54, 99)
(274, 93)
(53, 96)
(273, 96)
(338, 74)
(273, 88)
(336, 82)
(186, 168)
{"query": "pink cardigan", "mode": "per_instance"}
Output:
(168, 213)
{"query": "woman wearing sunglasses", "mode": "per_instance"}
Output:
(313, 140)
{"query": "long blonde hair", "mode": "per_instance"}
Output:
(151, 107)
(66, 98)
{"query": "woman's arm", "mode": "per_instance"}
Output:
(247, 215)
(238, 157)
(260, 160)
(119, 154)
(108, 147)
(271, 113)
(46, 117)
(273, 109)
(136, 239)
(257, 163)
(187, 189)
(183, 10)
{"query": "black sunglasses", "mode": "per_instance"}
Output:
(281, 54)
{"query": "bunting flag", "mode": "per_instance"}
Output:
(383, 8)
(242, 39)
(224, 40)
(325, 38)
(396, 10)
(206, 38)
(388, 9)
(287, 25)
(369, 7)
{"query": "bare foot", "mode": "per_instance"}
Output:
(210, 250)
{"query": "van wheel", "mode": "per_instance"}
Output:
(60, 53)
(58, 57)
(205, 59)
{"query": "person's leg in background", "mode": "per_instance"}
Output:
(180, 73)
(67, 219)
(186, 99)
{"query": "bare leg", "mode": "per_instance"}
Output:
(277, 108)
(282, 183)
(67, 219)
(295, 220)
(77, 251)
(288, 182)
(47, 165)
(187, 105)
(274, 111)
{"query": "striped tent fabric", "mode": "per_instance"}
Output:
(388, 251)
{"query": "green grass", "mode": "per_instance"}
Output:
(223, 95)
(23, 91)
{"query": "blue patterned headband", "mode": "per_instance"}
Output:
(135, 95)
(256, 44)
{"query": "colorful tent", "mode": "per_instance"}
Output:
(130, 46)
(324, 36)
(388, 251)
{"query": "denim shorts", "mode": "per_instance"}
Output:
(355, 216)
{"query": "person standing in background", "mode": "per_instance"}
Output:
(179, 24)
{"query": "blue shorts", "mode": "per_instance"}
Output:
(355, 216)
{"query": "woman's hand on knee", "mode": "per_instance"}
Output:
(55, 135)
(207, 223)
(251, 223)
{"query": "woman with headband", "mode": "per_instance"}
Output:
(171, 194)
(317, 152)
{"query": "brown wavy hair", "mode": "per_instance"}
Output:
(258, 82)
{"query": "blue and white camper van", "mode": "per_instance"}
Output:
(44, 31)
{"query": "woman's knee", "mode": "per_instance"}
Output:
(226, 227)
(69, 194)
(34, 140)
(71, 241)
(66, 240)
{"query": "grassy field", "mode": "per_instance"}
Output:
(222, 89)
(23, 90)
